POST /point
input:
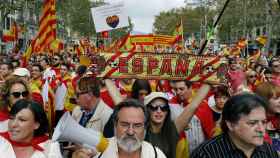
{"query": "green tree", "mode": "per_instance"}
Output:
(192, 18)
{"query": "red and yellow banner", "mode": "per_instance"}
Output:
(170, 66)
(151, 43)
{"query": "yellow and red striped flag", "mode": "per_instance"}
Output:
(56, 45)
(27, 54)
(47, 26)
(10, 35)
(178, 32)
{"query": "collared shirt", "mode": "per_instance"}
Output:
(86, 117)
(222, 147)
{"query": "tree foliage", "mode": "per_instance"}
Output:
(240, 18)
(192, 19)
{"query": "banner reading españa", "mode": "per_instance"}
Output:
(159, 66)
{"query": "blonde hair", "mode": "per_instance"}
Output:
(268, 90)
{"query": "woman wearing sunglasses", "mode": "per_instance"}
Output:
(27, 135)
(251, 79)
(13, 90)
(161, 130)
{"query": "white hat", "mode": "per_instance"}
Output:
(22, 72)
(153, 96)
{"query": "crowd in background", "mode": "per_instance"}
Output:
(181, 117)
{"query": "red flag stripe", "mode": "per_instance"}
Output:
(208, 64)
(132, 52)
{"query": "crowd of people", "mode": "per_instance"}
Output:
(238, 117)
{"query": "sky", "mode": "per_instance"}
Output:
(142, 12)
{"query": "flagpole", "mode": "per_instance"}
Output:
(183, 41)
(214, 26)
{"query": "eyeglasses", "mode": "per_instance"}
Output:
(134, 126)
(18, 94)
(81, 93)
(163, 108)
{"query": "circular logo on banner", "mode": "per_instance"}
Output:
(113, 21)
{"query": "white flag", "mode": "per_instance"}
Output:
(109, 17)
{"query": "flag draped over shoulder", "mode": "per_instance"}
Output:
(12, 34)
(47, 27)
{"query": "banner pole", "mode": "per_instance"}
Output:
(214, 26)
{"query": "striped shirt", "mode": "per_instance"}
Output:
(222, 147)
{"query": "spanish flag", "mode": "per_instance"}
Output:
(182, 150)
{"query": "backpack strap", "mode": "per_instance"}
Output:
(155, 151)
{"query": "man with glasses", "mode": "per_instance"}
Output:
(244, 126)
(91, 111)
(130, 119)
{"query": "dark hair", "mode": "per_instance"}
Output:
(167, 135)
(273, 59)
(38, 112)
(267, 70)
(140, 85)
(81, 70)
(187, 82)
(46, 59)
(126, 104)
(221, 91)
(240, 105)
(9, 64)
(89, 84)
(16, 62)
(167, 121)
(39, 66)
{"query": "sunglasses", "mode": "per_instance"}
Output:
(252, 76)
(163, 108)
(55, 59)
(18, 94)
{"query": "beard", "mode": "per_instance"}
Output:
(129, 143)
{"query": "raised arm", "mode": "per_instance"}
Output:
(113, 91)
(185, 117)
